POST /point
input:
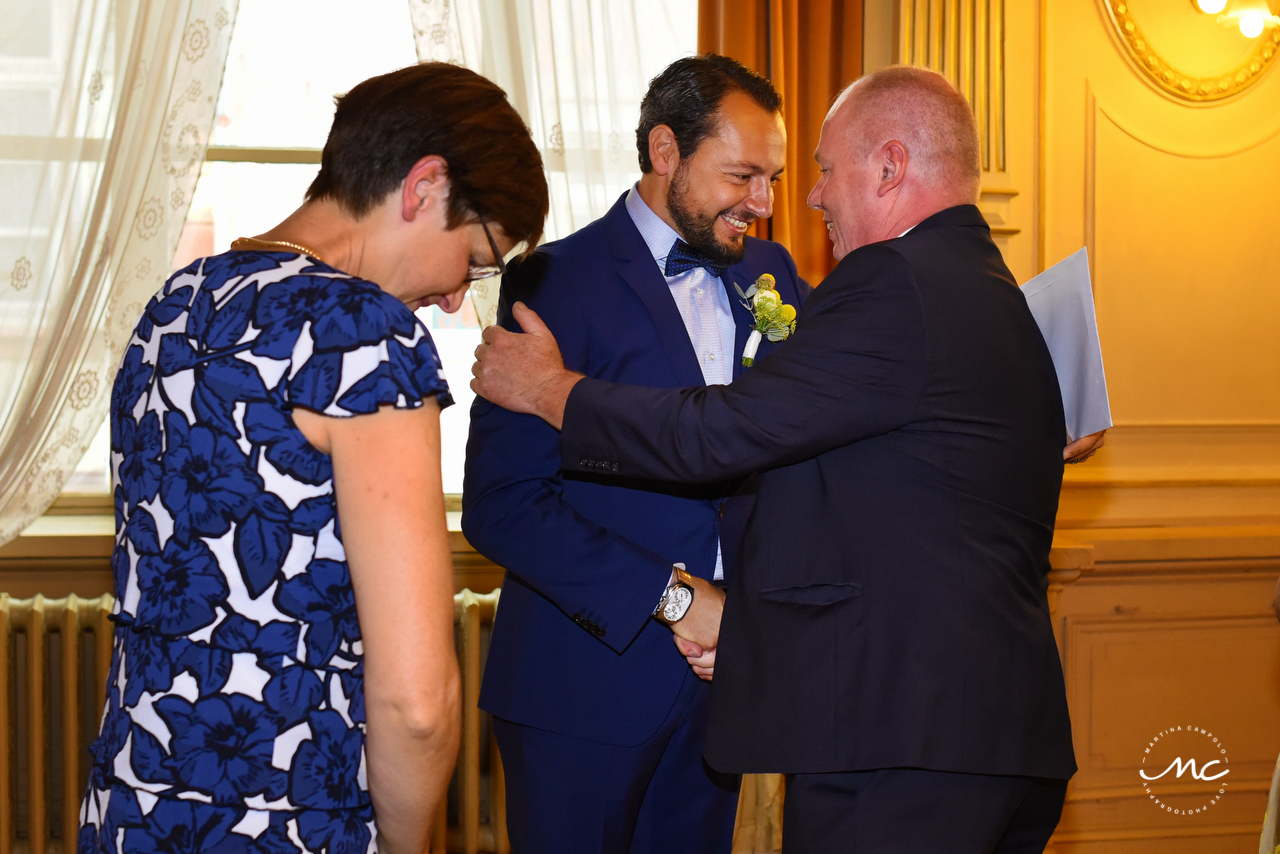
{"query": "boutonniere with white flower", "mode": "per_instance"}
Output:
(771, 317)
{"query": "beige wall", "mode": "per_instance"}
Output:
(1173, 200)
(1172, 624)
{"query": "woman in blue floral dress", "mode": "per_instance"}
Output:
(283, 676)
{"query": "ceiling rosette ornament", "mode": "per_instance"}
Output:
(1187, 54)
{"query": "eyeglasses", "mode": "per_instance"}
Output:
(487, 271)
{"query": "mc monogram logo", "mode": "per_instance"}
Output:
(1184, 770)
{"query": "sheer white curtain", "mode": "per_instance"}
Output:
(105, 111)
(576, 70)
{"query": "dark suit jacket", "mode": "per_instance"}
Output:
(889, 605)
(574, 650)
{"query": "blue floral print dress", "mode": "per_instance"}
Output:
(235, 705)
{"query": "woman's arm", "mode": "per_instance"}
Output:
(386, 469)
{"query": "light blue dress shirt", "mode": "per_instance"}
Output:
(702, 301)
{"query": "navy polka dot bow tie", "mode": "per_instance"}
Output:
(682, 258)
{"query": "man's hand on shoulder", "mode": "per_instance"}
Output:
(524, 372)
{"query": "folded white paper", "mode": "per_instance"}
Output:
(1061, 300)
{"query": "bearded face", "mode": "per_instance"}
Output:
(697, 220)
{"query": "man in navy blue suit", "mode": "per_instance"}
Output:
(599, 719)
(886, 638)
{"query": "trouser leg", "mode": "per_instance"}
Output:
(567, 795)
(905, 811)
(689, 808)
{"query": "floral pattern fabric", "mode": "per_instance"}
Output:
(235, 711)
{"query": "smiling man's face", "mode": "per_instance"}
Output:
(847, 181)
(727, 184)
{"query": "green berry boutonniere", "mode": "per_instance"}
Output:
(773, 318)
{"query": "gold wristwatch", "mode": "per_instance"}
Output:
(675, 602)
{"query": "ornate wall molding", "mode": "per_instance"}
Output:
(964, 41)
(1170, 80)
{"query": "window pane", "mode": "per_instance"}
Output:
(290, 57)
(92, 475)
(26, 111)
(28, 29)
(456, 337)
(239, 200)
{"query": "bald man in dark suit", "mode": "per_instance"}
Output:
(886, 640)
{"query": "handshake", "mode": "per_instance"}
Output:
(697, 631)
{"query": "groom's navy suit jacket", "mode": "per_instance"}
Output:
(574, 649)
(888, 609)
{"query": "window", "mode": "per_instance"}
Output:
(289, 58)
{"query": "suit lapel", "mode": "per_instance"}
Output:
(741, 315)
(640, 272)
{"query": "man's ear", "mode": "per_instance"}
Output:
(664, 152)
(892, 160)
(427, 183)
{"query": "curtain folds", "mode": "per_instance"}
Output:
(810, 50)
(100, 148)
(576, 70)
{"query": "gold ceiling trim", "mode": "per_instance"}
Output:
(1188, 87)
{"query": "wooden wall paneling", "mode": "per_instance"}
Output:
(974, 43)
(1177, 474)
(933, 34)
(1145, 652)
(72, 554)
(879, 34)
(964, 68)
(996, 47)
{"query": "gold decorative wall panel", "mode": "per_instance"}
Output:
(964, 40)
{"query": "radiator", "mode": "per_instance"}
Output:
(54, 655)
(44, 743)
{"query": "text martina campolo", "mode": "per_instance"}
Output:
(1184, 770)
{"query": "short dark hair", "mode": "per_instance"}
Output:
(686, 97)
(388, 123)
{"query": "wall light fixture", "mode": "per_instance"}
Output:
(1252, 17)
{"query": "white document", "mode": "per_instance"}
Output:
(1061, 300)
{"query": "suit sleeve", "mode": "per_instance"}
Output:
(514, 512)
(854, 369)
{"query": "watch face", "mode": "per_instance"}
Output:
(678, 601)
